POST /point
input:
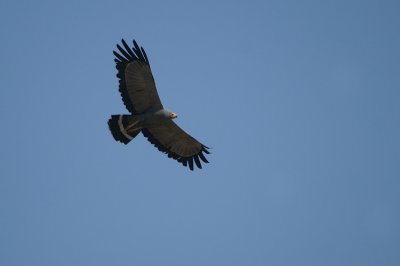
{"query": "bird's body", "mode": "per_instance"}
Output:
(130, 124)
(139, 94)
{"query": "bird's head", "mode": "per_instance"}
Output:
(173, 115)
(165, 114)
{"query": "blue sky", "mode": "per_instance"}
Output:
(298, 99)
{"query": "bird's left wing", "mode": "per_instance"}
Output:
(169, 138)
(136, 82)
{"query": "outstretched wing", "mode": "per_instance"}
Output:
(169, 138)
(136, 82)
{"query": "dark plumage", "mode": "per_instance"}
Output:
(140, 97)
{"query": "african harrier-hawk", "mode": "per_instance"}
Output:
(139, 94)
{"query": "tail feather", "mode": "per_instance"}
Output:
(121, 127)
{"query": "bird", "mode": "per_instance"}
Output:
(147, 114)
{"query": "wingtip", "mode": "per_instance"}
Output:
(197, 161)
(204, 149)
(191, 163)
(202, 157)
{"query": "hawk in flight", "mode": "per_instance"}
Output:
(140, 97)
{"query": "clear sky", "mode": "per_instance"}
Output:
(300, 101)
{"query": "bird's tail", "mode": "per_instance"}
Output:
(124, 127)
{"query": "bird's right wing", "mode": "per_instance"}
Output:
(169, 138)
(136, 82)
